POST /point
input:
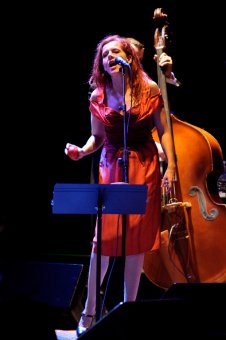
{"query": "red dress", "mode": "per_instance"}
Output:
(142, 231)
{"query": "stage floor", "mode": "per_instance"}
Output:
(66, 334)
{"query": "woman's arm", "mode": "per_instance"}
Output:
(94, 142)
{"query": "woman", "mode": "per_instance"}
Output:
(144, 110)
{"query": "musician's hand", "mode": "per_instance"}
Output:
(166, 63)
(74, 152)
(168, 179)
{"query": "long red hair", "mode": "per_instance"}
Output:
(100, 78)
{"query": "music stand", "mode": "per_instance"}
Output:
(116, 198)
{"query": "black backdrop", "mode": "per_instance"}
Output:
(49, 51)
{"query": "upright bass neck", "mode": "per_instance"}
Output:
(159, 44)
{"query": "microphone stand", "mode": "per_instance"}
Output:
(124, 162)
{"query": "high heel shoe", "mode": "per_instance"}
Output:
(85, 322)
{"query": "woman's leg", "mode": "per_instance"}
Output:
(91, 290)
(133, 270)
(90, 305)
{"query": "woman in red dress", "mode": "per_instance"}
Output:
(144, 111)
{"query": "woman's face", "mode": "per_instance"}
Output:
(109, 52)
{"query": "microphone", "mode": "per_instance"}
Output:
(122, 62)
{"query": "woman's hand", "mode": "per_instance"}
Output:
(74, 152)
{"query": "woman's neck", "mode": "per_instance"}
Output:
(118, 84)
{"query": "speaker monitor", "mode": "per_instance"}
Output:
(175, 315)
(42, 289)
(203, 292)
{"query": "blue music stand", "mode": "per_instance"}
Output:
(116, 198)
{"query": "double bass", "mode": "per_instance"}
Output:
(193, 229)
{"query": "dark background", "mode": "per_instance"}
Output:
(48, 54)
